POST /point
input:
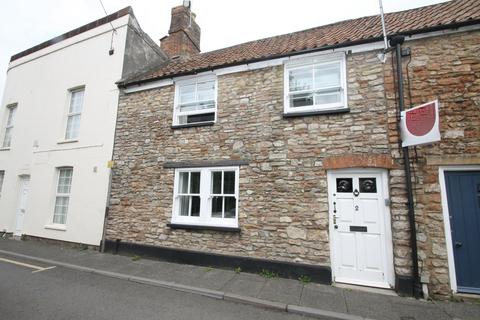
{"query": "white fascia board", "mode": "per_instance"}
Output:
(205, 74)
(378, 45)
(148, 86)
(92, 33)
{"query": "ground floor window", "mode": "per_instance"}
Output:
(206, 196)
(62, 198)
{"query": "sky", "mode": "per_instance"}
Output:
(25, 23)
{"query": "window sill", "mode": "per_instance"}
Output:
(191, 125)
(315, 113)
(4, 148)
(197, 227)
(67, 141)
(58, 227)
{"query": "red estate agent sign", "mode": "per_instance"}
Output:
(420, 125)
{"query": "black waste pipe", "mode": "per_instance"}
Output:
(417, 289)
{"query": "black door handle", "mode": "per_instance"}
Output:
(458, 244)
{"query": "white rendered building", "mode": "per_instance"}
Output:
(57, 125)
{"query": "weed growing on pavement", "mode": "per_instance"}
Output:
(304, 279)
(83, 247)
(237, 270)
(268, 274)
(208, 269)
(136, 258)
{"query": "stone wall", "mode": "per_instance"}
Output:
(446, 68)
(283, 209)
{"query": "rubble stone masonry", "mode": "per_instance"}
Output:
(446, 68)
(283, 207)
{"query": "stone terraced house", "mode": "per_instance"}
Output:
(284, 153)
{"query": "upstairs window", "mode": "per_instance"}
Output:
(316, 84)
(195, 101)
(7, 137)
(62, 197)
(206, 197)
(74, 114)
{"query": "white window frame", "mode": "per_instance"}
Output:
(205, 218)
(62, 195)
(315, 61)
(176, 104)
(72, 114)
(2, 179)
(9, 125)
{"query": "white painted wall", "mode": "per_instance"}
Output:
(40, 84)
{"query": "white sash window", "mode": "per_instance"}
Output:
(2, 176)
(62, 197)
(7, 137)
(206, 197)
(315, 84)
(195, 101)
(74, 114)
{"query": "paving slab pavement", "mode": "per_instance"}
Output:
(323, 297)
(277, 293)
(245, 284)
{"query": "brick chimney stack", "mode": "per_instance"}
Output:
(184, 35)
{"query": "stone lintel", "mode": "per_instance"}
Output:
(457, 159)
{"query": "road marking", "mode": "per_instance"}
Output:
(31, 266)
(43, 269)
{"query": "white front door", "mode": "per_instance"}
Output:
(22, 204)
(360, 231)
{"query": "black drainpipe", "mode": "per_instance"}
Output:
(397, 42)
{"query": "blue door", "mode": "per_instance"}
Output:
(463, 194)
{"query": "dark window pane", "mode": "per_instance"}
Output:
(195, 182)
(230, 207)
(183, 182)
(184, 203)
(195, 206)
(217, 182)
(229, 182)
(344, 185)
(201, 117)
(217, 207)
(368, 185)
(301, 100)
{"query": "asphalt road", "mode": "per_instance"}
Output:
(59, 293)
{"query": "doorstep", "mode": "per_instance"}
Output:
(470, 297)
(387, 292)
